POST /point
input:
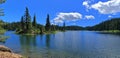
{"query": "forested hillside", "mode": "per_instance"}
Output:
(2, 24)
(112, 24)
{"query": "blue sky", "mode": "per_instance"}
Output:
(73, 12)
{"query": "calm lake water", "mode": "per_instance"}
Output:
(69, 44)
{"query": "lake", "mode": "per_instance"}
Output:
(69, 44)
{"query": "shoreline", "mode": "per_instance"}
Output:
(110, 31)
(6, 52)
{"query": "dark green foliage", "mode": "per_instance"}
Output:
(27, 19)
(22, 23)
(53, 27)
(12, 26)
(26, 24)
(2, 1)
(74, 28)
(64, 26)
(34, 22)
(42, 30)
(1, 10)
(113, 24)
(47, 26)
(2, 24)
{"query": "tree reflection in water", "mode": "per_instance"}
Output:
(28, 43)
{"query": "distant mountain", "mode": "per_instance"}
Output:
(113, 24)
(74, 28)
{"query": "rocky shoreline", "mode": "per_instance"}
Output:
(5, 52)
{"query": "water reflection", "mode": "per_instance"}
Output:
(70, 44)
(28, 44)
(41, 36)
(28, 40)
(48, 40)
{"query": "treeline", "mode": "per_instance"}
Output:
(2, 24)
(112, 24)
(16, 25)
(74, 28)
(27, 25)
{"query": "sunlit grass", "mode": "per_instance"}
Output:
(2, 31)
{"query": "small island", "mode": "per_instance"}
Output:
(60, 29)
(28, 26)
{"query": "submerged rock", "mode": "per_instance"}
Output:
(7, 53)
(4, 49)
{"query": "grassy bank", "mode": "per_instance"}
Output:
(2, 31)
(2, 37)
(36, 32)
(50, 32)
(110, 31)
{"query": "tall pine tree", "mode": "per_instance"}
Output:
(47, 26)
(27, 19)
(2, 1)
(1, 10)
(22, 23)
(34, 23)
(64, 26)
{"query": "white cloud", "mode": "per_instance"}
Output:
(73, 16)
(89, 17)
(109, 7)
(109, 16)
(86, 4)
(57, 20)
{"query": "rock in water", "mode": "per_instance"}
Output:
(4, 49)
(7, 53)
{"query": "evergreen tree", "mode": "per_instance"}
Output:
(34, 22)
(41, 30)
(22, 23)
(47, 26)
(27, 19)
(1, 10)
(2, 1)
(53, 28)
(64, 26)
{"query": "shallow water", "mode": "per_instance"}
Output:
(69, 44)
